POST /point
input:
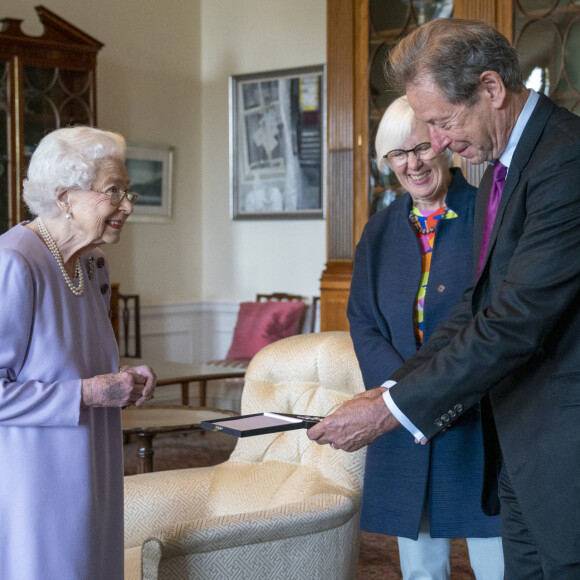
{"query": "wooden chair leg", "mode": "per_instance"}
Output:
(145, 452)
(185, 394)
(202, 393)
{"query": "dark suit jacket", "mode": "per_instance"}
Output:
(386, 277)
(513, 341)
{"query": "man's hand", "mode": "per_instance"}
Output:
(132, 386)
(373, 393)
(356, 423)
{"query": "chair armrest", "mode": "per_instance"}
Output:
(152, 500)
(316, 514)
(159, 500)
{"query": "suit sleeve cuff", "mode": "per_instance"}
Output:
(403, 420)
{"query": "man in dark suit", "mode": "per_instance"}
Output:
(512, 343)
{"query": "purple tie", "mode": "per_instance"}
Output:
(499, 173)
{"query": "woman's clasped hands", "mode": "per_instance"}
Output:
(131, 386)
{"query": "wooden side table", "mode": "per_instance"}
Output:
(147, 421)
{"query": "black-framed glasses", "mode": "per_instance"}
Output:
(117, 195)
(398, 157)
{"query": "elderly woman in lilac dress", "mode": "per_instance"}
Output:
(61, 391)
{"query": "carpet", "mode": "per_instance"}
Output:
(379, 558)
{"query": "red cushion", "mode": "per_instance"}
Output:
(261, 323)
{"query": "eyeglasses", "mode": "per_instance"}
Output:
(117, 195)
(398, 157)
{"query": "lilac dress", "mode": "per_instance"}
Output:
(61, 467)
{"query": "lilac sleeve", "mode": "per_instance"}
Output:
(26, 400)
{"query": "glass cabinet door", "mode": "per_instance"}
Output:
(389, 20)
(54, 98)
(547, 39)
(46, 82)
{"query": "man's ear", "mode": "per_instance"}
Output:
(491, 86)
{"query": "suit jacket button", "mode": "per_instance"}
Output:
(451, 413)
(438, 422)
(445, 418)
(458, 408)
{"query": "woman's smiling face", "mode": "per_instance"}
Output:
(425, 177)
(97, 220)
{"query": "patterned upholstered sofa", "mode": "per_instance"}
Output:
(281, 506)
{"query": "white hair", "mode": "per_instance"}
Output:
(65, 159)
(397, 123)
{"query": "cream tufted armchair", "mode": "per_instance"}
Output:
(280, 506)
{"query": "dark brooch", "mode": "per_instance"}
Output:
(91, 267)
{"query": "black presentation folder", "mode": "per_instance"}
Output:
(260, 424)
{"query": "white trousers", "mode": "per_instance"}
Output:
(427, 558)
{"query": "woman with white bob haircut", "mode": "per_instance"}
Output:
(61, 391)
(411, 266)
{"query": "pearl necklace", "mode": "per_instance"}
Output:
(413, 219)
(51, 245)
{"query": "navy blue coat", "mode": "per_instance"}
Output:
(386, 277)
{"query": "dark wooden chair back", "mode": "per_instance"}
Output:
(130, 317)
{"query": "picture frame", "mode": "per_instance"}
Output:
(260, 424)
(278, 144)
(150, 169)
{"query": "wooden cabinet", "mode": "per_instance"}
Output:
(46, 82)
(359, 33)
(356, 40)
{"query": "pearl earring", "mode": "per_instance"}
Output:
(67, 216)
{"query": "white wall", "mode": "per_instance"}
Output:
(243, 257)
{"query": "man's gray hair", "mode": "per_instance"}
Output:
(453, 53)
(66, 159)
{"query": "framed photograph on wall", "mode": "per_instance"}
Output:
(278, 144)
(150, 170)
